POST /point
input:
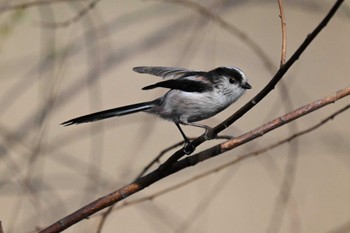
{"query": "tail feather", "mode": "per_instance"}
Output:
(110, 113)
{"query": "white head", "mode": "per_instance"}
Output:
(229, 81)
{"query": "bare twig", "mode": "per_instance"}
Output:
(290, 167)
(104, 218)
(284, 32)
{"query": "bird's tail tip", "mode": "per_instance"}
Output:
(67, 123)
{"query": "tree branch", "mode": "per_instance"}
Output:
(219, 168)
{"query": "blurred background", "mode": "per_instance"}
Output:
(63, 59)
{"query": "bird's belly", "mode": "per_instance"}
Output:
(190, 106)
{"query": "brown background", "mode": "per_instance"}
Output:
(51, 74)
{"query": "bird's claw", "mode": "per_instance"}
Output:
(209, 134)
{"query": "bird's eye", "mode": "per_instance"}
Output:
(232, 80)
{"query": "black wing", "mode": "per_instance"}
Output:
(165, 72)
(183, 85)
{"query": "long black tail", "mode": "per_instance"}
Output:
(110, 113)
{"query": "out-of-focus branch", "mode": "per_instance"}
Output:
(1, 230)
(74, 19)
(64, 23)
(229, 28)
(25, 5)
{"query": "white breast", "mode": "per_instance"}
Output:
(186, 107)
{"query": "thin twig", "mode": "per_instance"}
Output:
(104, 218)
(282, 199)
(284, 32)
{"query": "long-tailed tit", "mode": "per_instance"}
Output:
(193, 96)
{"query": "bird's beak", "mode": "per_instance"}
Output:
(246, 86)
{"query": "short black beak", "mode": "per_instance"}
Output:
(246, 86)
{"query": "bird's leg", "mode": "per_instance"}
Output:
(188, 150)
(182, 133)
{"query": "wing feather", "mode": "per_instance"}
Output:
(165, 72)
(183, 85)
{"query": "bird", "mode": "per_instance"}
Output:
(193, 96)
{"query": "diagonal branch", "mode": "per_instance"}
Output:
(239, 158)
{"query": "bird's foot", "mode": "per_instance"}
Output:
(188, 147)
